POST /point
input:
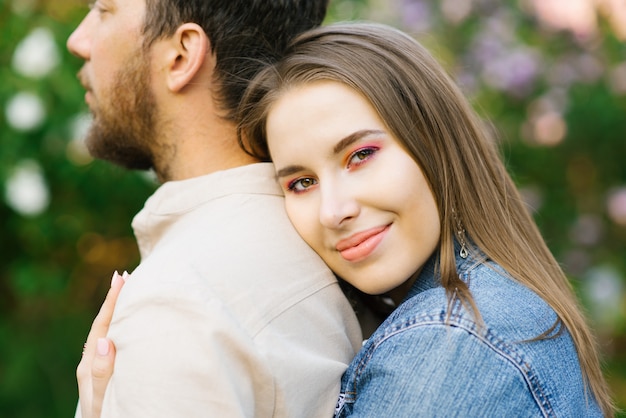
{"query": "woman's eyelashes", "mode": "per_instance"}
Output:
(361, 156)
(353, 161)
(301, 184)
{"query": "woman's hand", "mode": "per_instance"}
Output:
(96, 366)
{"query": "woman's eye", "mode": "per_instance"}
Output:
(301, 184)
(361, 155)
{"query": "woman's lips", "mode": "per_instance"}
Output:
(360, 245)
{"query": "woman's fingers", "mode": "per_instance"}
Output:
(101, 372)
(90, 361)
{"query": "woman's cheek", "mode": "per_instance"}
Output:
(304, 219)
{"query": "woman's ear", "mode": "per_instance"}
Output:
(191, 51)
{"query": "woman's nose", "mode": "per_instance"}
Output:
(337, 206)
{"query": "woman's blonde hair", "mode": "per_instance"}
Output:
(425, 110)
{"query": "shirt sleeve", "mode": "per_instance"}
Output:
(436, 370)
(181, 353)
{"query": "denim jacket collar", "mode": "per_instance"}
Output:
(429, 278)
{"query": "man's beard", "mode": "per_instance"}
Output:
(123, 126)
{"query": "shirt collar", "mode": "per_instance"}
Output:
(180, 196)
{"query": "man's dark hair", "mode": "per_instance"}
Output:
(245, 35)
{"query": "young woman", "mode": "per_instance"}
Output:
(390, 177)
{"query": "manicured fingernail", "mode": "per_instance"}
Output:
(125, 275)
(102, 347)
(116, 276)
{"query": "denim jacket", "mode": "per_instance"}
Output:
(430, 359)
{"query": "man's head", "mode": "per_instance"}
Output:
(244, 34)
(140, 53)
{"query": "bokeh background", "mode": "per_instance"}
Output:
(549, 74)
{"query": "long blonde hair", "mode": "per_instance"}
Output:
(425, 110)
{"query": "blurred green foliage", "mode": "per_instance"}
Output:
(555, 101)
(54, 264)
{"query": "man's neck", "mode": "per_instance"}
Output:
(200, 154)
(195, 137)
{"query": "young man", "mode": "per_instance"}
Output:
(229, 313)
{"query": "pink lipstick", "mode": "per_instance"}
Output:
(360, 245)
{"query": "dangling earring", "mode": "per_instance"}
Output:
(460, 232)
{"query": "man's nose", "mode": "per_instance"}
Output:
(79, 42)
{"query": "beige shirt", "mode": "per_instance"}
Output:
(230, 313)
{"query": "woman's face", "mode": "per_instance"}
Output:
(351, 191)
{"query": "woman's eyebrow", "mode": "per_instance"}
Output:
(340, 146)
(352, 138)
(289, 170)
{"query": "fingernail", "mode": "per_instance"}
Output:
(102, 347)
(116, 276)
(125, 275)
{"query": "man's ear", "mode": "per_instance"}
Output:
(189, 54)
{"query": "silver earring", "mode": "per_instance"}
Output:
(460, 232)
